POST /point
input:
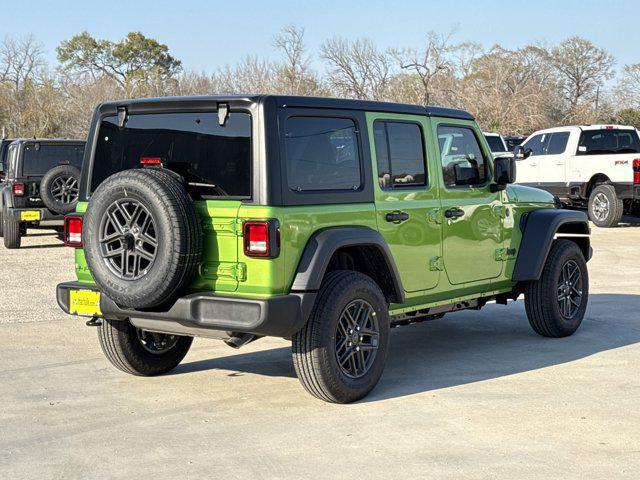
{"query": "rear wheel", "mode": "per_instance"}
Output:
(605, 208)
(556, 303)
(12, 231)
(340, 353)
(1, 222)
(140, 352)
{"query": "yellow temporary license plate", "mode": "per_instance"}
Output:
(30, 215)
(84, 302)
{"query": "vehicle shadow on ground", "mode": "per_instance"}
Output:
(48, 245)
(629, 221)
(467, 347)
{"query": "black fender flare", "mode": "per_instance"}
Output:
(539, 228)
(324, 243)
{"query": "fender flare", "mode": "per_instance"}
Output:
(539, 228)
(323, 244)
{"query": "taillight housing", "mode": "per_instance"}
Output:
(261, 238)
(18, 189)
(73, 231)
(636, 171)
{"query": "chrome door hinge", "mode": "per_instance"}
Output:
(435, 264)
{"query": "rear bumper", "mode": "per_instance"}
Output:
(46, 215)
(203, 314)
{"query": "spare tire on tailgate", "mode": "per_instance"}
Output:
(59, 189)
(142, 237)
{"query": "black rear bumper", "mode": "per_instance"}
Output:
(197, 313)
(46, 215)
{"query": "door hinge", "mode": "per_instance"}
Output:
(435, 264)
(500, 211)
(240, 272)
(504, 254)
(434, 216)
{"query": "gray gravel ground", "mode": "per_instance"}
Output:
(475, 395)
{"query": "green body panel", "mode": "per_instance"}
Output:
(440, 261)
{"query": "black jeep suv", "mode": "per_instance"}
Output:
(40, 184)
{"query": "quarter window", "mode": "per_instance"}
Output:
(399, 154)
(322, 154)
(463, 163)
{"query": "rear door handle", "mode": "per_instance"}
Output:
(454, 213)
(396, 217)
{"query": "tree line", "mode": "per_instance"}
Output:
(509, 91)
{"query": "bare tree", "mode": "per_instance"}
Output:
(628, 88)
(583, 68)
(357, 69)
(21, 61)
(294, 74)
(428, 63)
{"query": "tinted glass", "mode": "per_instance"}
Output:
(513, 142)
(11, 161)
(463, 163)
(557, 143)
(601, 142)
(399, 154)
(537, 143)
(38, 161)
(214, 160)
(322, 154)
(495, 143)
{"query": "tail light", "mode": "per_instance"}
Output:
(73, 231)
(636, 171)
(18, 189)
(261, 238)
(150, 160)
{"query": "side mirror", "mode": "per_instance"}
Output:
(504, 173)
(520, 153)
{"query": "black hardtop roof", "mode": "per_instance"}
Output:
(284, 101)
(48, 140)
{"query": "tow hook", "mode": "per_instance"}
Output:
(94, 322)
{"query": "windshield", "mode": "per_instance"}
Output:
(39, 158)
(495, 143)
(214, 160)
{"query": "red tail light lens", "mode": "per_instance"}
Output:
(18, 189)
(261, 238)
(73, 231)
(150, 160)
(636, 171)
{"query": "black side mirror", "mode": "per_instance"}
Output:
(504, 173)
(520, 153)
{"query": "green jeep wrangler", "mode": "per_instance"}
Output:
(320, 220)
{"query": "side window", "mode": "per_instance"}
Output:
(600, 142)
(537, 143)
(463, 163)
(399, 154)
(322, 154)
(557, 143)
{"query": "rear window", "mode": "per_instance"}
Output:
(214, 160)
(602, 142)
(495, 143)
(322, 154)
(39, 158)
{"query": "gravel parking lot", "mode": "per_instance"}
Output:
(475, 395)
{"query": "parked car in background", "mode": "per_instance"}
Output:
(596, 167)
(496, 144)
(512, 141)
(323, 221)
(41, 185)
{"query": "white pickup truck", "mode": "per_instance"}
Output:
(593, 166)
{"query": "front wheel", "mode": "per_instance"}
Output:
(340, 353)
(140, 352)
(556, 302)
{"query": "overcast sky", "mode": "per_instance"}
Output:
(209, 34)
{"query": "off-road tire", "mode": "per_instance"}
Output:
(178, 230)
(47, 184)
(616, 206)
(122, 347)
(1, 221)
(12, 232)
(313, 347)
(541, 296)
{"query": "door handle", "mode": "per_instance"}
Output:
(396, 217)
(454, 213)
